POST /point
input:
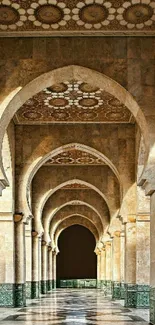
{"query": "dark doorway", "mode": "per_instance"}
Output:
(76, 259)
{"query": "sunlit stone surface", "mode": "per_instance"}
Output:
(73, 307)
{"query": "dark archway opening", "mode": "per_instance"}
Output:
(76, 259)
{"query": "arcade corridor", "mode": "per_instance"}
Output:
(74, 307)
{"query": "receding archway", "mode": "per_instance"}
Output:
(76, 259)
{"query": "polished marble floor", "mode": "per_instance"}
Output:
(73, 306)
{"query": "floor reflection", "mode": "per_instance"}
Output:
(70, 306)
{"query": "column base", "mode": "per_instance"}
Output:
(20, 295)
(122, 290)
(152, 305)
(35, 289)
(54, 284)
(49, 287)
(108, 287)
(44, 286)
(28, 289)
(116, 290)
(137, 296)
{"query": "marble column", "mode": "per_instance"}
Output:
(108, 254)
(7, 260)
(28, 245)
(103, 268)
(143, 260)
(44, 258)
(122, 261)
(116, 266)
(49, 268)
(54, 269)
(20, 261)
(35, 292)
(130, 262)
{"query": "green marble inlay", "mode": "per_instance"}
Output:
(28, 289)
(143, 296)
(20, 295)
(35, 289)
(7, 295)
(77, 283)
(130, 295)
(116, 290)
(44, 286)
(137, 296)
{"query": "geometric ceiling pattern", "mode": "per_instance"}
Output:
(73, 101)
(70, 16)
(75, 186)
(75, 157)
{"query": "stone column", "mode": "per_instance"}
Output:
(98, 254)
(130, 262)
(28, 245)
(54, 269)
(122, 261)
(49, 268)
(35, 292)
(20, 261)
(116, 266)
(7, 260)
(103, 268)
(44, 280)
(108, 254)
(143, 261)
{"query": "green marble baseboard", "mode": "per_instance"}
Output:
(35, 289)
(7, 295)
(44, 286)
(137, 296)
(20, 295)
(116, 290)
(143, 296)
(77, 283)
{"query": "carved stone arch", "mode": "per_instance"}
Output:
(10, 107)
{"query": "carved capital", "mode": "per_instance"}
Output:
(18, 217)
(43, 243)
(34, 233)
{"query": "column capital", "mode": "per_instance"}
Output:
(34, 233)
(117, 233)
(49, 248)
(18, 217)
(43, 243)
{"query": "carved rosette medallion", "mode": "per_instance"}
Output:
(49, 14)
(93, 14)
(136, 15)
(12, 15)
